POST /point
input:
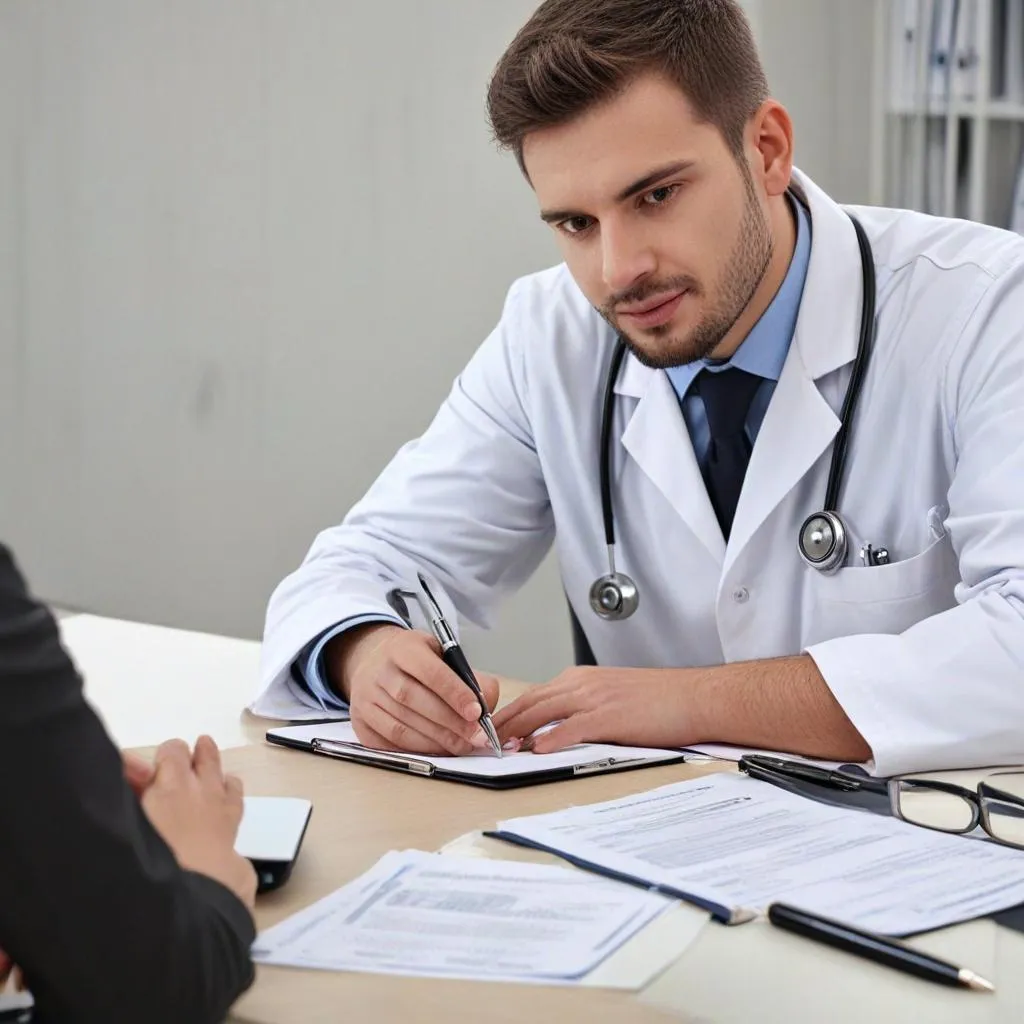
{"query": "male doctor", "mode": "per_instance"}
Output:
(645, 129)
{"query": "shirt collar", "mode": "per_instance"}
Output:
(763, 352)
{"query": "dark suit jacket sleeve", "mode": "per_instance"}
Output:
(93, 905)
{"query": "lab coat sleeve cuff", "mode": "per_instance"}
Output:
(852, 678)
(311, 661)
(297, 619)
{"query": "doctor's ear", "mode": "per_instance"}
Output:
(769, 146)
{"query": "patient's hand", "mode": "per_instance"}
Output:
(197, 808)
(138, 773)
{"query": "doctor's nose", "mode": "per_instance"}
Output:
(625, 261)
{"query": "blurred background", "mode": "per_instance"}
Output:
(246, 246)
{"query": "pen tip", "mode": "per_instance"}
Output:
(492, 734)
(975, 981)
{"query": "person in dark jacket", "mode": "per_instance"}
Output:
(121, 896)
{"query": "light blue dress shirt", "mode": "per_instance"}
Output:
(763, 353)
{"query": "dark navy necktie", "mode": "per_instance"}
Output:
(727, 395)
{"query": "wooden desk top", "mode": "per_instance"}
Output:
(359, 813)
(730, 975)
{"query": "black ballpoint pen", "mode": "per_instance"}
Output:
(750, 763)
(874, 947)
(454, 658)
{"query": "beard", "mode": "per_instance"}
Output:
(748, 263)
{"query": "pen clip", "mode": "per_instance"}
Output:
(438, 623)
(605, 763)
(435, 608)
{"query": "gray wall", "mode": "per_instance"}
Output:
(245, 246)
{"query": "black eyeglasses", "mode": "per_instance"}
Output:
(997, 804)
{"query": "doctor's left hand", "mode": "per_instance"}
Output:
(640, 707)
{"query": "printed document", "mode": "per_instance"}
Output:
(740, 844)
(458, 917)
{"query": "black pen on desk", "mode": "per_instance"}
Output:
(755, 764)
(874, 947)
(455, 659)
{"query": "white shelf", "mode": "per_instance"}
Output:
(995, 110)
(936, 150)
(1004, 110)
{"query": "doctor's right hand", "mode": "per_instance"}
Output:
(402, 695)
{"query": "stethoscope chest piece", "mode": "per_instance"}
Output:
(614, 596)
(823, 541)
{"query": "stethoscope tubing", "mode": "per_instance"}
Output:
(837, 466)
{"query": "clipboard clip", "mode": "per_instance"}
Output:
(604, 764)
(366, 755)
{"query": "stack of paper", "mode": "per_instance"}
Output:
(439, 916)
(733, 845)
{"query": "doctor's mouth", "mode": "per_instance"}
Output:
(655, 312)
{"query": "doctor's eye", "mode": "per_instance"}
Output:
(659, 196)
(575, 225)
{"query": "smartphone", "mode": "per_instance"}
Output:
(271, 835)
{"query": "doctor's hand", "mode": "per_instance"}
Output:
(401, 694)
(639, 707)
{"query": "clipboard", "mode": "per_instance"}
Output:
(338, 740)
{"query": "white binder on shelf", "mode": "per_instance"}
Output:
(964, 72)
(940, 54)
(910, 28)
(1013, 38)
(902, 51)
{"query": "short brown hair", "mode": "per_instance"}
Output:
(573, 54)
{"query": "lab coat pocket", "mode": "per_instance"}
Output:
(881, 598)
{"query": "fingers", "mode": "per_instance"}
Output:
(234, 790)
(422, 661)
(577, 729)
(173, 759)
(443, 740)
(206, 761)
(534, 709)
(390, 733)
(400, 691)
(526, 700)
(367, 736)
(138, 773)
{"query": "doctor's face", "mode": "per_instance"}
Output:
(660, 226)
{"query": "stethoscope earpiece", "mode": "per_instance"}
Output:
(823, 542)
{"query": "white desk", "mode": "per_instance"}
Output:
(150, 683)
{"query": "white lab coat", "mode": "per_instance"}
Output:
(925, 655)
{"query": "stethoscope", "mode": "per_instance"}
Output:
(823, 541)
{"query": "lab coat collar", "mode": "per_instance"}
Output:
(635, 378)
(828, 326)
(799, 424)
